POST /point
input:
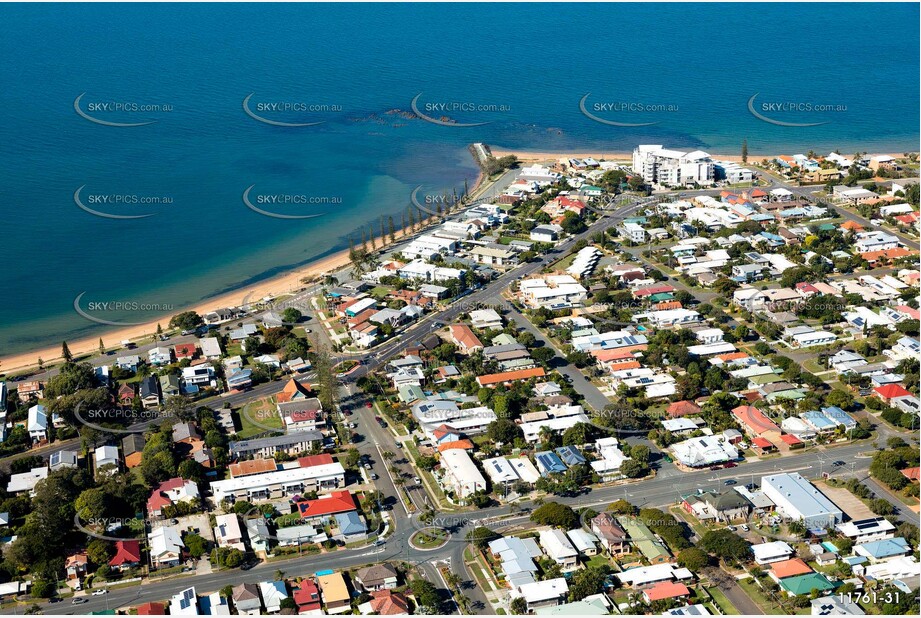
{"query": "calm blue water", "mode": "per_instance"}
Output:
(198, 62)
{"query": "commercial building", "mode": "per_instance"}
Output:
(798, 499)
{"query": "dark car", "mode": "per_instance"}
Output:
(729, 482)
(248, 565)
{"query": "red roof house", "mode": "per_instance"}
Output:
(152, 609)
(682, 408)
(754, 422)
(665, 590)
(127, 554)
(307, 597)
(887, 392)
(388, 603)
(336, 502)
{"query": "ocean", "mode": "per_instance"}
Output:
(517, 73)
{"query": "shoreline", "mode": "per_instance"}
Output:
(528, 156)
(272, 287)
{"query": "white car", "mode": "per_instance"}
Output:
(97, 593)
(745, 528)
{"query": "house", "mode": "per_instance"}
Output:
(883, 549)
(460, 474)
(26, 481)
(612, 537)
(756, 424)
(463, 337)
(132, 449)
(385, 603)
(228, 532)
(796, 498)
(642, 576)
(867, 530)
(682, 408)
(888, 392)
(545, 593)
(665, 591)
(106, 456)
(335, 593)
(127, 555)
(166, 547)
(584, 542)
(76, 565)
(485, 318)
(559, 549)
(29, 390)
(210, 348)
(273, 593)
(642, 538)
(37, 423)
(774, 551)
(184, 603)
(325, 506)
(185, 350)
(127, 363)
(246, 599)
(546, 233)
(62, 459)
(149, 392)
(151, 609)
(126, 393)
(170, 492)
(704, 451)
(307, 598)
(349, 527)
(382, 576)
(714, 506)
(160, 356)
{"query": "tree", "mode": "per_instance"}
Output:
(99, 552)
(518, 606)
(840, 398)
(588, 581)
(693, 558)
(481, 537)
(102, 348)
(425, 592)
(542, 355)
(622, 507)
(744, 151)
(291, 315)
(725, 545)
(187, 320)
(65, 353)
(503, 430)
(195, 544)
(555, 514)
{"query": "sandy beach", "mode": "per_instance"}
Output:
(273, 287)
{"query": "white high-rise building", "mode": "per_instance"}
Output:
(658, 165)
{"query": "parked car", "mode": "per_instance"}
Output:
(745, 527)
